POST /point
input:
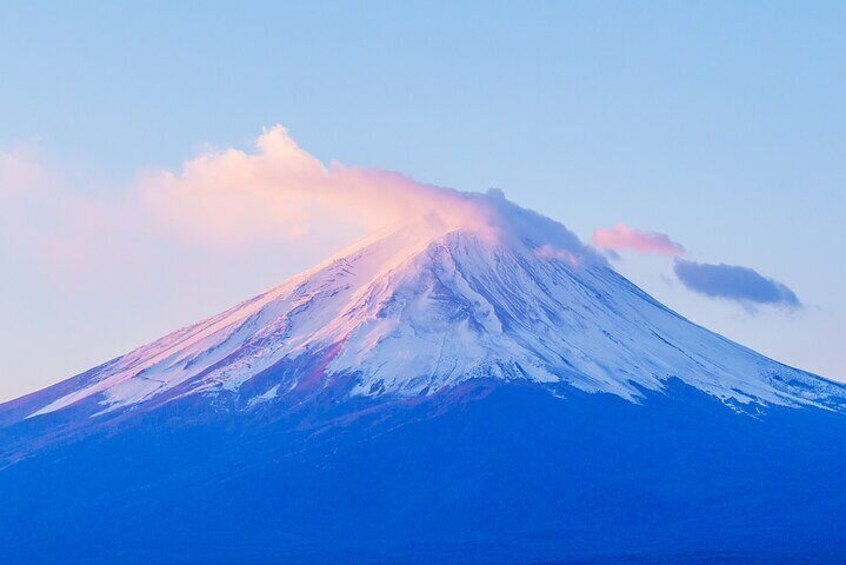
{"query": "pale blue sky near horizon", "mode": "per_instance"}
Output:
(719, 123)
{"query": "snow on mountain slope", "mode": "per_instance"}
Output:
(510, 295)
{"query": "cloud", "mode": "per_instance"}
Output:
(225, 200)
(233, 201)
(622, 236)
(279, 191)
(730, 282)
(739, 284)
(43, 218)
(20, 172)
(271, 198)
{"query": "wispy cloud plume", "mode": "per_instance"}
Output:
(740, 284)
(279, 191)
(221, 200)
(20, 172)
(623, 237)
(42, 217)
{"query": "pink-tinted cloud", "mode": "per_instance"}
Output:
(221, 200)
(233, 197)
(234, 201)
(20, 172)
(623, 237)
(59, 228)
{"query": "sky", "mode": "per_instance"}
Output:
(700, 145)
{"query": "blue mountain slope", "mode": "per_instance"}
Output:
(483, 473)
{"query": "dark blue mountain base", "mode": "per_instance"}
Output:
(484, 473)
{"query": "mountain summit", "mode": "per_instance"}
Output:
(477, 385)
(510, 296)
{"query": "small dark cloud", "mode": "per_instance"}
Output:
(730, 282)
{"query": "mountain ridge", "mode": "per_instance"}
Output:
(416, 308)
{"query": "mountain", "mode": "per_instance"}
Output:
(488, 390)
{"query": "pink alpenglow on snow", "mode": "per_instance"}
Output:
(625, 237)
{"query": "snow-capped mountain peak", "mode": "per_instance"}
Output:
(499, 292)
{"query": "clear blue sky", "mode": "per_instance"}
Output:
(722, 124)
